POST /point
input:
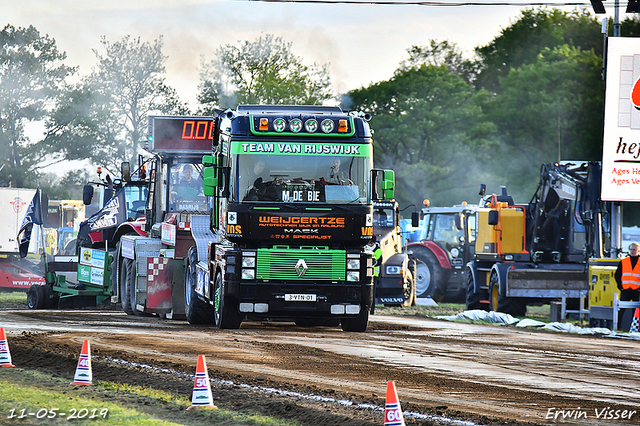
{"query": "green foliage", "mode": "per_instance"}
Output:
(441, 53)
(264, 71)
(548, 111)
(429, 127)
(124, 89)
(31, 78)
(630, 27)
(534, 31)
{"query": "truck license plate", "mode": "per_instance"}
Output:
(300, 297)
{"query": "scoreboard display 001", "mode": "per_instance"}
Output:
(181, 134)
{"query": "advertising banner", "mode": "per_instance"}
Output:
(621, 144)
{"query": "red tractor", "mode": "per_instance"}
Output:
(444, 244)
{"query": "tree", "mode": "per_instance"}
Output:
(32, 76)
(429, 127)
(263, 71)
(125, 88)
(441, 53)
(535, 30)
(548, 111)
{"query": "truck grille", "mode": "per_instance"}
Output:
(280, 264)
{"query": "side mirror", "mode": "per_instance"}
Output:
(208, 160)
(388, 184)
(483, 189)
(125, 171)
(459, 221)
(87, 194)
(210, 175)
(415, 219)
(493, 217)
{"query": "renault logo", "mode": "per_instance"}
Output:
(301, 268)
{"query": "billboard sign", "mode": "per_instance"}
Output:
(621, 144)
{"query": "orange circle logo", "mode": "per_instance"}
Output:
(635, 94)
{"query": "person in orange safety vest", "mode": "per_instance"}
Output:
(628, 278)
(628, 275)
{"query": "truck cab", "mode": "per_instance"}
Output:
(394, 285)
(293, 190)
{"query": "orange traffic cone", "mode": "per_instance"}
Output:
(202, 396)
(392, 411)
(83, 371)
(635, 322)
(5, 355)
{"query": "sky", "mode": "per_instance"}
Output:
(361, 43)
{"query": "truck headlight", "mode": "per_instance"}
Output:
(353, 276)
(248, 262)
(394, 270)
(248, 274)
(353, 263)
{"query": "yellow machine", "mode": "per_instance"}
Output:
(602, 289)
(539, 252)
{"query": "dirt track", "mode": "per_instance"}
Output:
(444, 371)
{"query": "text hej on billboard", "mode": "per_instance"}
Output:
(621, 144)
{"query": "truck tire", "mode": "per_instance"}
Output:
(410, 291)
(50, 297)
(474, 297)
(430, 276)
(196, 310)
(125, 293)
(225, 314)
(35, 297)
(500, 303)
(357, 324)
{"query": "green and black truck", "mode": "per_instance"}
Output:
(292, 190)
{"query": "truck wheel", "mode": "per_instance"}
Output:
(125, 300)
(226, 315)
(409, 291)
(50, 298)
(357, 324)
(196, 311)
(35, 297)
(498, 302)
(474, 297)
(429, 279)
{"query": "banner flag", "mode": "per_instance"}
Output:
(32, 217)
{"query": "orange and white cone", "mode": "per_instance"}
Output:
(202, 396)
(635, 322)
(83, 371)
(392, 411)
(5, 355)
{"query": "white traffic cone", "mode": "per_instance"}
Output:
(635, 321)
(83, 374)
(202, 396)
(392, 411)
(5, 355)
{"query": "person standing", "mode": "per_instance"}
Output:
(628, 279)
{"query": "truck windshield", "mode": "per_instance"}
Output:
(383, 218)
(186, 189)
(136, 198)
(301, 179)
